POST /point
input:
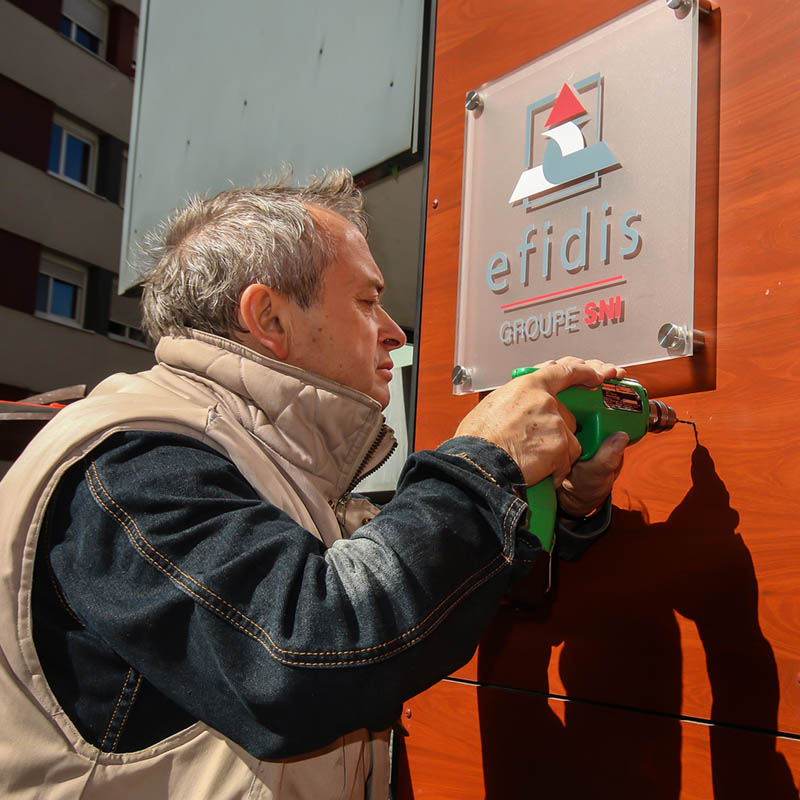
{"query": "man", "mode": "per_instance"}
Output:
(194, 603)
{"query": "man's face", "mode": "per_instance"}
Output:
(346, 335)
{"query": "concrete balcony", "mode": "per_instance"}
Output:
(39, 355)
(54, 67)
(60, 216)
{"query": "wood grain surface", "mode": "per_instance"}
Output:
(468, 743)
(689, 610)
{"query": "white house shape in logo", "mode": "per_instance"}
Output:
(567, 158)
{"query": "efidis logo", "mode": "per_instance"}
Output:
(568, 164)
(565, 156)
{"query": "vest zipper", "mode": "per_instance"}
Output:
(337, 505)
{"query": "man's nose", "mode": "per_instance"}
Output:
(392, 334)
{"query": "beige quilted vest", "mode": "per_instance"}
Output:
(268, 418)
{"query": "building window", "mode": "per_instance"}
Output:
(86, 23)
(61, 290)
(73, 152)
(125, 319)
(119, 330)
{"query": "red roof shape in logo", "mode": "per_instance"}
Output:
(566, 107)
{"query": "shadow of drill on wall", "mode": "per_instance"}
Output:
(619, 736)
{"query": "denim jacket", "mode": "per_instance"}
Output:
(249, 622)
(167, 590)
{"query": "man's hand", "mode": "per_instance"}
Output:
(590, 482)
(530, 424)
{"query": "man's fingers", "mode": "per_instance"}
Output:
(612, 450)
(559, 375)
(590, 481)
(600, 472)
(603, 366)
(526, 419)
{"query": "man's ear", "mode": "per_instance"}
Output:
(260, 311)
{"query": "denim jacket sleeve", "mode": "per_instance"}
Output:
(246, 621)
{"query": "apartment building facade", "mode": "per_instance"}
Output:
(66, 87)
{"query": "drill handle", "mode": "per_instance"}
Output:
(542, 504)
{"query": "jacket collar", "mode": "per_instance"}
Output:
(334, 434)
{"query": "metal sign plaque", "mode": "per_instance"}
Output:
(577, 228)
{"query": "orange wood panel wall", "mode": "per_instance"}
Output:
(688, 612)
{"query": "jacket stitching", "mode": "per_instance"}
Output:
(61, 599)
(520, 508)
(116, 709)
(53, 580)
(127, 712)
(528, 560)
(477, 466)
(236, 611)
(266, 645)
(270, 644)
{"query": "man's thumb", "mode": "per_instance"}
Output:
(617, 442)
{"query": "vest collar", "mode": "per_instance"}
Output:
(334, 434)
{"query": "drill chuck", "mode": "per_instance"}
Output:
(662, 417)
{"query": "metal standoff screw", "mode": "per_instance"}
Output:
(474, 101)
(679, 5)
(698, 341)
(672, 337)
(461, 376)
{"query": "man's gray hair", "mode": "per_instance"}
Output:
(201, 260)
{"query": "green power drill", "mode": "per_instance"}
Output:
(617, 405)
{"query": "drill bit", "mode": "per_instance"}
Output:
(694, 427)
(663, 418)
